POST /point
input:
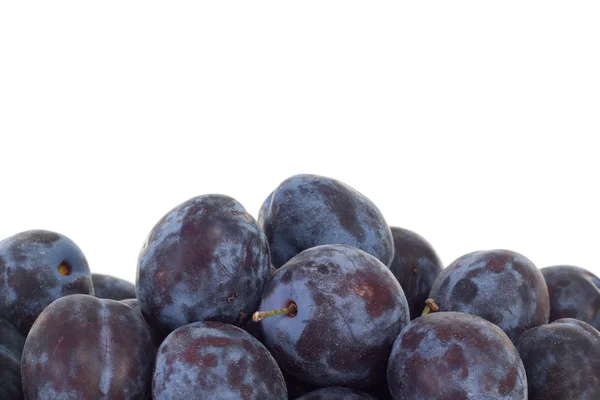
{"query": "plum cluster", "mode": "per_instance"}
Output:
(316, 299)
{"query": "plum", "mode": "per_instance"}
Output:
(110, 287)
(82, 347)
(330, 316)
(416, 266)
(305, 211)
(36, 268)
(213, 360)
(207, 259)
(502, 286)
(562, 360)
(574, 293)
(11, 349)
(451, 355)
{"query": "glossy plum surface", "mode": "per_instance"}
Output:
(562, 360)
(350, 310)
(416, 265)
(450, 355)
(82, 347)
(11, 349)
(213, 360)
(574, 293)
(36, 268)
(305, 211)
(110, 287)
(336, 393)
(500, 286)
(207, 259)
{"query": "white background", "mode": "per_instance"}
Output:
(471, 123)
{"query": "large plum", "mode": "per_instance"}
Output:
(111, 287)
(340, 310)
(213, 360)
(310, 210)
(36, 268)
(82, 347)
(574, 293)
(562, 360)
(450, 355)
(502, 286)
(207, 259)
(416, 266)
(11, 349)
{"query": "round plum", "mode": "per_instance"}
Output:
(83, 347)
(562, 360)
(305, 211)
(36, 268)
(207, 259)
(451, 355)
(574, 293)
(501, 286)
(213, 360)
(339, 311)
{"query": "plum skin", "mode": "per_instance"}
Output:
(574, 293)
(501, 286)
(306, 210)
(84, 347)
(416, 266)
(31, 276)
(350, 310)
(206, 259)
(110, 287)
(562, 360)
(452, 355)
(206, 360)
(11, 350)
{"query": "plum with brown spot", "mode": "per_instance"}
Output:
(501, 286)
(36, 268)
(451, 355)
(82, 347)
(209, 360)
(339, 311)
(206, 260)
(307, 210)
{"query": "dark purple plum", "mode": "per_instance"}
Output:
(134, 304)
(501, 286)
(110, 287)
(11, 349)
(82, 347)
(562, 360)
(295, 387)
(343, 310)
(574, 293)
(36, 268)
(451, 355)
(213, 360)
(310, 210)
(416, 266)
(336, 393)
(207, 259)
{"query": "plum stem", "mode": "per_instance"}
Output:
(430, 306)
(291, 310)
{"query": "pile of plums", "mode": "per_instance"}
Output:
(318, 298)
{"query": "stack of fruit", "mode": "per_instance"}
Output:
(318, 298)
